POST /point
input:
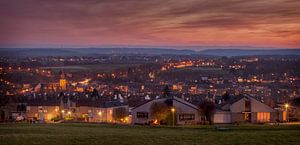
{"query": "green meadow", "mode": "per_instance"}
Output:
(103, 134)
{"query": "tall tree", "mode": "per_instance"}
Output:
(4, 89)
(207, 108)
(159, 111)
(119, 113)
(166, 91)
(226, 96)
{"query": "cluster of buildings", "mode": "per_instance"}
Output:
(136, 89)
(237, 109)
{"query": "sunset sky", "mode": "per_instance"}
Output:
(98, 23)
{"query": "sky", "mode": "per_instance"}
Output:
(149, 23)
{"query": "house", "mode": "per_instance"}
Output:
(46, 110)
(183, 111)
(100, 112)
(12, 110)
(65, 108)
(246, 109)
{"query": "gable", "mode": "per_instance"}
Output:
(256, 106)
(185, 103)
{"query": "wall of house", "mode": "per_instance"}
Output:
(181, 107)
(238, 107)
(257, 106)
(185, 108)
(45, 113)
(94, 114)
(143, 108)
(222, 117)
(237, 117)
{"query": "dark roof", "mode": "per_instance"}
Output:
(110, 104)
(236, 98)
(173, 98)
(42, 102)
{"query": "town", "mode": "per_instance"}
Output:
(150, 89)
(149, 72)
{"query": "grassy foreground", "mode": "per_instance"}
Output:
(90, 134)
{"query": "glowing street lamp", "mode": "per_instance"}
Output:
(173, 112)
(286, 106)
(100, 114)
(286, 109)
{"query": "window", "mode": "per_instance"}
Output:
(263, 116)
(284, 116)
(186, 116)
(142, 114)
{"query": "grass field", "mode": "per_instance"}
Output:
(90, 134)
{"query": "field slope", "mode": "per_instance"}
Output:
(93, 134)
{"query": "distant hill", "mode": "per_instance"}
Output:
(32, 52)
(19, 52)
(248, 52)
(25, 52)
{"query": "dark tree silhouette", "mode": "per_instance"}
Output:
(119, 113)
(95, 94)
(4, 88)
(226, 96)
(159, 111)
(207, 109)
(167, 91)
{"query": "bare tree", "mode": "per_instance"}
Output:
(166, 91)
(119, 113)
(159, 111)
(207, 109)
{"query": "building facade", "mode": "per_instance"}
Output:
(182, 111)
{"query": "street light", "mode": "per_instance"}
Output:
(173, 112)
(286, 106)
(286, 109)
(100, 114)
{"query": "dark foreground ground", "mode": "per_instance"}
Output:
(90, 134)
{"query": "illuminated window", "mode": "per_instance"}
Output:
(284, 116)
(263, 116)
(186, 116)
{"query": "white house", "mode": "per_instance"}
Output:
(184, 112)
(246, 109)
